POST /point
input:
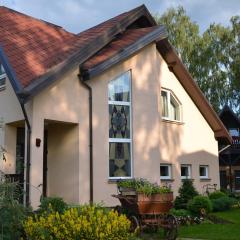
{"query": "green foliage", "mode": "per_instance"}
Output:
(180, 212)
(216, 195)
(143, 186)
(186, 192)
(12, 213)
(57, 204)
(212, 58)
(222, 204)
(86, 222)
(199, 205)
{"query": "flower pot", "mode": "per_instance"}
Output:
(127, 191)
(158, 197)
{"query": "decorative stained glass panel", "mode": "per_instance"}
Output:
(119, 121)
(119, 160)
(119, 89)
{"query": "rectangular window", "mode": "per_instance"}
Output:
(2, 77)
(170, 106)
(165, 171)
(203, 171)
(185, 171)
(120, 134)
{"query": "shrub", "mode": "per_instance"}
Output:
(222, 204)
(12, 213)
(57, 204)
(216, 195)
(200, 205)
(87, 222)
(180, 212)
(186, 192)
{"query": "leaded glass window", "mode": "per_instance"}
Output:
(120, 143)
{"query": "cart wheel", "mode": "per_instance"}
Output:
(134, 223)
(171, 231)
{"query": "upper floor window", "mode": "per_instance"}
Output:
(171, 108)
(2, 77)
(185, 171)
(234, 132)
(120, 138)
(165, 171)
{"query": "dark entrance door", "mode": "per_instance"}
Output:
(237, 179)
(45, 165)
(223, 179)
(20, 152)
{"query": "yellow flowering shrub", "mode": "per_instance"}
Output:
(87, 222)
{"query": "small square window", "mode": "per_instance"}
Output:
(203, 172)
(185, 171)
(165, 171)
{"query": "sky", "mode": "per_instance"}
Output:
(78, 15)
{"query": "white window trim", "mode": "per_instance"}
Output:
(169, 94)
(1, 77)
(169, 170)
(123, 140)
(189, 166)
(207, 172)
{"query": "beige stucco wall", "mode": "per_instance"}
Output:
(145, 122)
(190, 142)
(10, 112)
(63, 161)
(65, 101)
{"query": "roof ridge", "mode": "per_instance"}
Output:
(110, 19)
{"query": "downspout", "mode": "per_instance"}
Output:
(28, 163)
(80, 76)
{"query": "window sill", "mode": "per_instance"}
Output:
(205, 179)
(172, 121)
(115, 180)
(167, 180)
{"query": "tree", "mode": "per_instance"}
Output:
(212, 58)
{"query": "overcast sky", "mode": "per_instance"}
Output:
(78, 15)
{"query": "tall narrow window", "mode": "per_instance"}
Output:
(120, 141)
(170, 106)
(2, 77)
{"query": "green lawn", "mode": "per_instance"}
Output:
(215, 231)
(208, 230)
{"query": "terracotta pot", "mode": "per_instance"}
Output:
(154, 207)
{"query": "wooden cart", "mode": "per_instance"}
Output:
(150, 211)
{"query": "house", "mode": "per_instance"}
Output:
(229, 155)
(81, 111)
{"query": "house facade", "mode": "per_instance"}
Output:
(80, 111)
(229, 155)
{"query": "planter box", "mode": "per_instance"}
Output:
(159, 197)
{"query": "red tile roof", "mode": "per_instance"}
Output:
(118, 44)
(34, 46)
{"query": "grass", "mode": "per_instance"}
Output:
(215, 231)
(207, 230)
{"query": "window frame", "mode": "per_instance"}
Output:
(169, 177)
(3, 76)
(207, 172)
(189, 166)
(169, 94)
(122, 140)
(237, 129)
